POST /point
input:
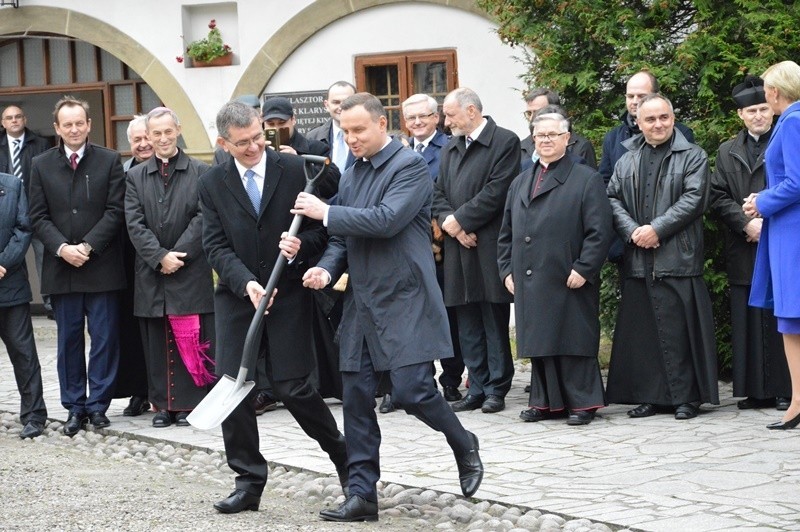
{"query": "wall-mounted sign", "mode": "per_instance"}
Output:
(308, 107)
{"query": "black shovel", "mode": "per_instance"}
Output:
(229, 392)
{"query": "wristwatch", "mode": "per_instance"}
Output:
(87, 247)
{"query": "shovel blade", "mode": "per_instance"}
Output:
(219, 403)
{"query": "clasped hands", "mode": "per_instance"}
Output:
(74, 254)
(749, 206)
(645, 237)
(454, 229)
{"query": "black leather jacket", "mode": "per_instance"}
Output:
(677, 218)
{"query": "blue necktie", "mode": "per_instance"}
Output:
(252, 191)
(16, 164)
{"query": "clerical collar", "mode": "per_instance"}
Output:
(552, 164)
(759, 137)
(172, 160)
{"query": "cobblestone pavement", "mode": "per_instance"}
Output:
(720, 471)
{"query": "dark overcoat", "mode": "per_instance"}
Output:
(31, 147)
(567, 226)
(163, 218)
(380, 230)
(82, 205)
(15, 237)
(242, 247)
(472, 185)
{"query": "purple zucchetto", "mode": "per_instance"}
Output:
(749, 92)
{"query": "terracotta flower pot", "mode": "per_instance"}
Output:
(225, 60)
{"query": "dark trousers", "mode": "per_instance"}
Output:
(240, 430)
(485, 346)
(100, 311)
(16, 332)
(414, 391)
(453, 367)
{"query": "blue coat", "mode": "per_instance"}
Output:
(380, 230)
(433, 153)
(15, 236)
(775, 282)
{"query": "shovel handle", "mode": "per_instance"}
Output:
(251, 341)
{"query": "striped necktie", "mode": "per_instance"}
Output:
(16, 163)
(252, 190)
(419, 147)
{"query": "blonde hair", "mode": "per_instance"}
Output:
(784, 76)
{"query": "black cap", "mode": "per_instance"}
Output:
(277, 107)
(249, 99)
(750, 92)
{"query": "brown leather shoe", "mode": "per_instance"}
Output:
(264, 402)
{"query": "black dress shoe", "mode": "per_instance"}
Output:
(451, 394)
(686, 411)
(75, 422)
(386, 404)
(783, 403)
(580, 417)
(470, 468)
(785, 425)
(180, 419)
(470, 402)
(264, 402)
(493, 404)
(162, 419)
(32, 429)
(527, 388)
(355, 508)
(643, 410)
(99, 420)
(238, 501)
(534, 414)
(752, 402)
(136, 406)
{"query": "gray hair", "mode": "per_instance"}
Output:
(138, 120)
(235, 114)
(158, 112)
(433, 105)
(563, 123)
(656, 96)
(550, 109)
(465, 97)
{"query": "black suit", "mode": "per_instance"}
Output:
(242, 247)
(324, 134)
(70, 207)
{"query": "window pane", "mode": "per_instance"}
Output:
(85, 62)
(59, 62)
(111, 67)
(33, 50)
(148, 98)
(382, 82)
(121, 134)
(123, 100)
(431, 78)
(9, 74)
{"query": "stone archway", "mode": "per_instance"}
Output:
(305, 24)
(80, 26)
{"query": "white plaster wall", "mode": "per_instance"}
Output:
(484, 63)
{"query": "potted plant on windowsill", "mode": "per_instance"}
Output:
(209, 51)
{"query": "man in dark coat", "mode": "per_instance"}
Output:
(579, 146)
(76, 207)
(760, 372)
(554, 240)
(173, 278)
(664, 353)
(246, 206)
(477, 168)
(23, 143)
(421, 115)
(330, 133)
(394, 319)
(16, 329)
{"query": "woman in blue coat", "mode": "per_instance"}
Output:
(777, 267)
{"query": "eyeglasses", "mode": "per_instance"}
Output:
(548, 136)
(244, 144)
(13, 117)
(527, 114)
(414, 118)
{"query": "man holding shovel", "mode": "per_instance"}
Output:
(246, 204)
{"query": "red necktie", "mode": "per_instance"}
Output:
(73, 161)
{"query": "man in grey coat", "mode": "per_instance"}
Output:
(394, 319)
